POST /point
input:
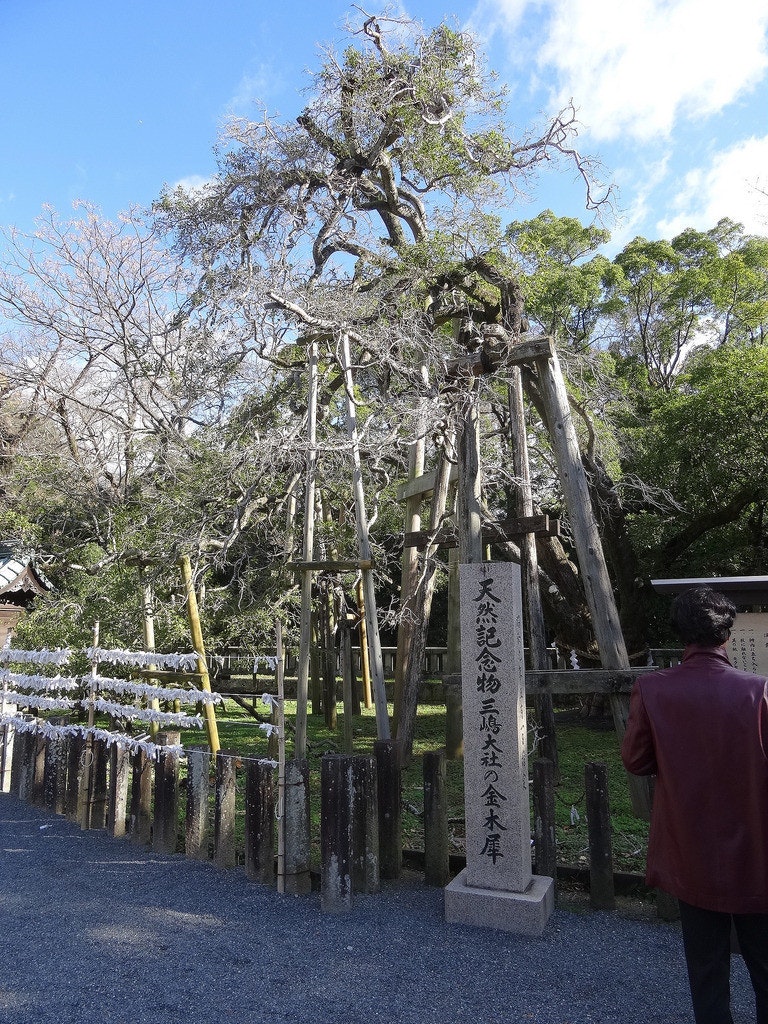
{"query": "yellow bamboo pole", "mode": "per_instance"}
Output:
(148, 625)
(197, 643)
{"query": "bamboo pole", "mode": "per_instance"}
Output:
(148, 625)
(305, 636)
(196, 631)
(364, 546)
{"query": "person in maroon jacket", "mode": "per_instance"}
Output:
(702, 729)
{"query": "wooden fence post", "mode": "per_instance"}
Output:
(388, 754)
(7, 747)
(141, 797)
(119, 777)
(74, 754)
(54, 773)
(365, 825)
(165, 821)
(454, 722)
(98, 796)
(27, 769)
(260, 822)
(198, 779)
(544, 817)
(436, 855)
(336, 891)
(601, 891)
(18, 761)
(297, 836)
(39, 746)
(224, 853)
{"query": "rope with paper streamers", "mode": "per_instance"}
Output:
(48, 693)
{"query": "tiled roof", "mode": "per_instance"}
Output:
(17, 573)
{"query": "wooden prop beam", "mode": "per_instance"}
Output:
(353, 565)
(586, 680)
(508, 529)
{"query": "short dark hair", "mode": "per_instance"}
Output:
(703, 616)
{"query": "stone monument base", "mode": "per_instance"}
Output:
(525, 913)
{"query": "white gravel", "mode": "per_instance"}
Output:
(102, 930)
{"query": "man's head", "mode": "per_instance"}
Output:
(703, 616)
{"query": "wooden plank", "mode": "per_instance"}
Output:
(332, 566)
(563, 681)
(485, 361)
(508, 529)
(168, 675)
(422, 486)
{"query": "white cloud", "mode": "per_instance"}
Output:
(634, 68)
(734, 185)
(192, 183)
(255, 90)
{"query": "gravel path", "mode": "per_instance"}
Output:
(98, 929)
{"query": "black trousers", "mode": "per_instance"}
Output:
(707, 944)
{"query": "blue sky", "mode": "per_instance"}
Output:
(109, 101)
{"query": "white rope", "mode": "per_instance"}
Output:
(187, 696)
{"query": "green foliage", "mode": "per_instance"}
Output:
(704, 446)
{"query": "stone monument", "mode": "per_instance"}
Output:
(497, 888)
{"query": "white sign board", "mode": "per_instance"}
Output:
(748, 646)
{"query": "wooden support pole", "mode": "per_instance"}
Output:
(436, 851)
(601, 890)
(142, 777)
(364, 548)
(198, 792)
(425, 593)
(365, 826)
(529, 565)
(165, 822)
(544, 817)
(365, 661)
(336, 892)
(409, 578)
(119, 779)
(305, 634)
(345, 656)
(454, 715)
(198, 646)
(85, 781)
(589, 549)
(468, 504)
(224, 853)
(280, 811)
(260, 822)
(388, 756)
